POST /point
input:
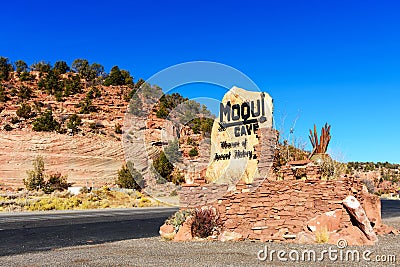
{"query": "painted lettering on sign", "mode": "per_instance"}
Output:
(246, 113)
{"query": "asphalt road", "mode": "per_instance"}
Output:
(390, 208)
(39, 231)
(34, 231)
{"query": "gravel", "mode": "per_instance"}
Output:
(156, 252)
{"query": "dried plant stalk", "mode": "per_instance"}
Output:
(320, 145)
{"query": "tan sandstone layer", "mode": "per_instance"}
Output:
(85, 159)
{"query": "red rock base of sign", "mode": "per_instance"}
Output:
(297, 211)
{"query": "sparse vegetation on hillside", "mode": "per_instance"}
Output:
(24, 111)
(45, 123)
(118, 77)
(61, 67)
(89, 72)
(6, 68)
(193, 152)
(20, 66)
(202, 125)
(163, 167)
(74, 122)
(55, 181)
(172, 151)
(129, 177)
(41, 66)
(167, 103)
(3, 94)
(81, 88)
(35, 179)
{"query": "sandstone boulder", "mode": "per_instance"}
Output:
(352, 236)
(358, 214)
(372, 207)
(167, 231)
(230, 236)
(329, 221)
(185, 231)
(305, 238)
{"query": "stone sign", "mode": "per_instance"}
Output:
(234, 135)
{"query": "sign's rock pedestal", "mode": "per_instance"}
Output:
(235, 135)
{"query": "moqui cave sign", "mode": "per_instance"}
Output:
(242, 198)
(235, 136)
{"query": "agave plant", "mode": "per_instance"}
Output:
(320, 145)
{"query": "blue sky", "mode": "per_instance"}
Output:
(322, 61)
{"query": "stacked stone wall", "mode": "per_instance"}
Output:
(274, 207)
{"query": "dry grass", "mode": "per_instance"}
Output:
(322, 235)
(101, 198)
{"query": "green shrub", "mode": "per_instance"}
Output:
(201, 125)
(118, 128)
(74, 122)
(3, 94)
(193, 152)
(8, 127)
(25, 92)
(35, 179)
(118, 77)
(172, 151)
(55, 182)
(45, 123)
(130, 178)
(61, 67)
(24, 111)
(162, 113)
(163, 167)
(26, 76)
(86, 106)
(5, 68)
(51, 83)
(72, 86)
(331, 169)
